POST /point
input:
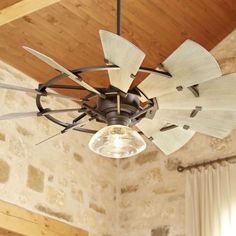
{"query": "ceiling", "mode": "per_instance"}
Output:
(68, 31)
(4, 232)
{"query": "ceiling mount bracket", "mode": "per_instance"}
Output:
(194, 90)
(132, 76)
(195, 111)
(151, 113)
(179, 88)
(163, 68)
(151, 138)
(186, 127)
(169, 127)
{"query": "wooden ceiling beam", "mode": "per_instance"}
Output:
(22, 8)
(24, 222)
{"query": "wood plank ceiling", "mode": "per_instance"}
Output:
(4, 232)
(68, 31)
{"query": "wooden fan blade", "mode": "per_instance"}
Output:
(68, 128)
(189, 64)
(60, 111)
(168, 141)
(49, 138)
(18, 115)
(218, 94)
(18, 88)
(172, 140)
(60, 68)
(124, 54)
(34, 91)
(218, 124)
(63, 96)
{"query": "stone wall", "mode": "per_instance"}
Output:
(61, 177)
(151, 200)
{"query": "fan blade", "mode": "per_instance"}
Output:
(18, 115)
(218, 94)
(62, 69)
(34, 91)
(70, 127)
(63, 96)
(18, 88)
(172, 140)
(124, 54)
(45, 140)
(189, 64)
(218, 124)
(168, 141)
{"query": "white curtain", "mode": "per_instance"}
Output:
(211, 201)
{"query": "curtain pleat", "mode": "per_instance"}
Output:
(211, 201)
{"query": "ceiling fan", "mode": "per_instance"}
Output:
(185, 94)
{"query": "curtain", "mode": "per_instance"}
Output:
(211, 201)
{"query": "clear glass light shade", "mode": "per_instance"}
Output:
(117, 141)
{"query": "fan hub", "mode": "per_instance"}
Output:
(129, 104)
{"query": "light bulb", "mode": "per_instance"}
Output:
(117, 141)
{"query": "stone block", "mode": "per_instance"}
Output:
(66, 147)
(55, 196)
(172, 164)
(78, 157)
(146, 157)
(23, 131)
(125, 164)
(151, 176)
(77, 194)
(59, 215)
(97, 208)
(129, 189)
(50, 178)
(218, 144)
(160, 231)
(35, 179)
(164, 190)
(4, 171)
(2, 137)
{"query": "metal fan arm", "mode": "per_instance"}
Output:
(78, 123)
(115, 67)
(48, 111)
(194, 90)
(141, 112)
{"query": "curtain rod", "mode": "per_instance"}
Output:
(183, 168)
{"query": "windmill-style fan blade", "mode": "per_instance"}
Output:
(218, 94)
(218, 124)
(70, 127)
(124, 54)
(63, 96)
(51, 137)
(19, 88)
(18, 115)
(190, 64)
(172, 140)
(62, 69)
(168, 141)
(34, 91)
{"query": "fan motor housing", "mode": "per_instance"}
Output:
(129, 104)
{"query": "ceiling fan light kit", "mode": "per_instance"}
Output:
(187, 95)
(117, 141)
